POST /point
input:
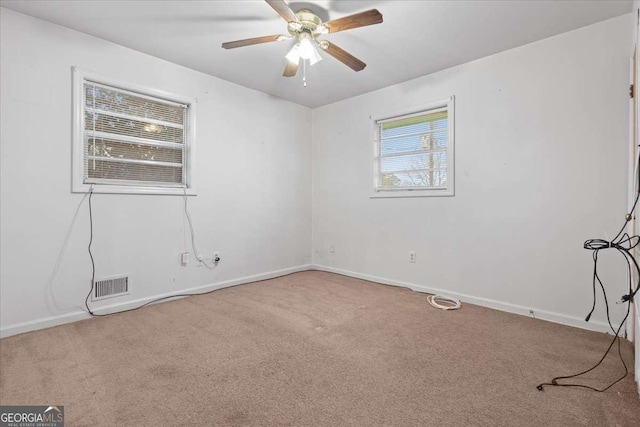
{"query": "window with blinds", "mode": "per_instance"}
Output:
(131, 138)
(415, 152)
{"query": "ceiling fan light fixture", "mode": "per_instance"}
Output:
(315, 57)
(309, 51)
(305, 50)
(294, 54)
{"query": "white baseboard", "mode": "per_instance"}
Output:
(45, 322)
(75, 316)
(484, 302)
(48, 322)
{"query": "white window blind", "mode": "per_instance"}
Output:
(132, 139)
(129, 138)
(414, 152)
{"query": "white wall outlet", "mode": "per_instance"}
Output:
(332, 249)
(412, 256)
(184, 258)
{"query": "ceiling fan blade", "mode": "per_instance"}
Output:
(290, 69)
(342, 56)
(283, 10)
(361, 19)
(248, 42)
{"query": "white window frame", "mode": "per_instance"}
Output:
(81, 75)
(378, 192)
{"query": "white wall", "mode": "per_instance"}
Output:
(541, 165)
(252, 170)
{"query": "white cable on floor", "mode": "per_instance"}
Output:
(443, 303)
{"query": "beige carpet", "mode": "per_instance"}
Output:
(314, 349)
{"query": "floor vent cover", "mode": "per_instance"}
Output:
(110, 287)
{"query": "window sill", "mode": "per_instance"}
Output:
(126, 189)
(390, 194)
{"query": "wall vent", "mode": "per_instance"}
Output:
(110, 287)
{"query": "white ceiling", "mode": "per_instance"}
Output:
(416, 37)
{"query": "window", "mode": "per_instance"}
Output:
(129, 139)
(414, 153)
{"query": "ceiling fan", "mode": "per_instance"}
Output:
(306, 27)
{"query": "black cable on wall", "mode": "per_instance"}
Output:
(624, 244)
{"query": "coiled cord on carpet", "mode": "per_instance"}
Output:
(443, 303)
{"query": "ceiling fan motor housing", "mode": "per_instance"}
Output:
(308, 22)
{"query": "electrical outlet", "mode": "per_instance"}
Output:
(412, 256)
(332, 249)
(184, 259)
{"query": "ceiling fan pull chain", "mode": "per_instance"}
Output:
(304, 72)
